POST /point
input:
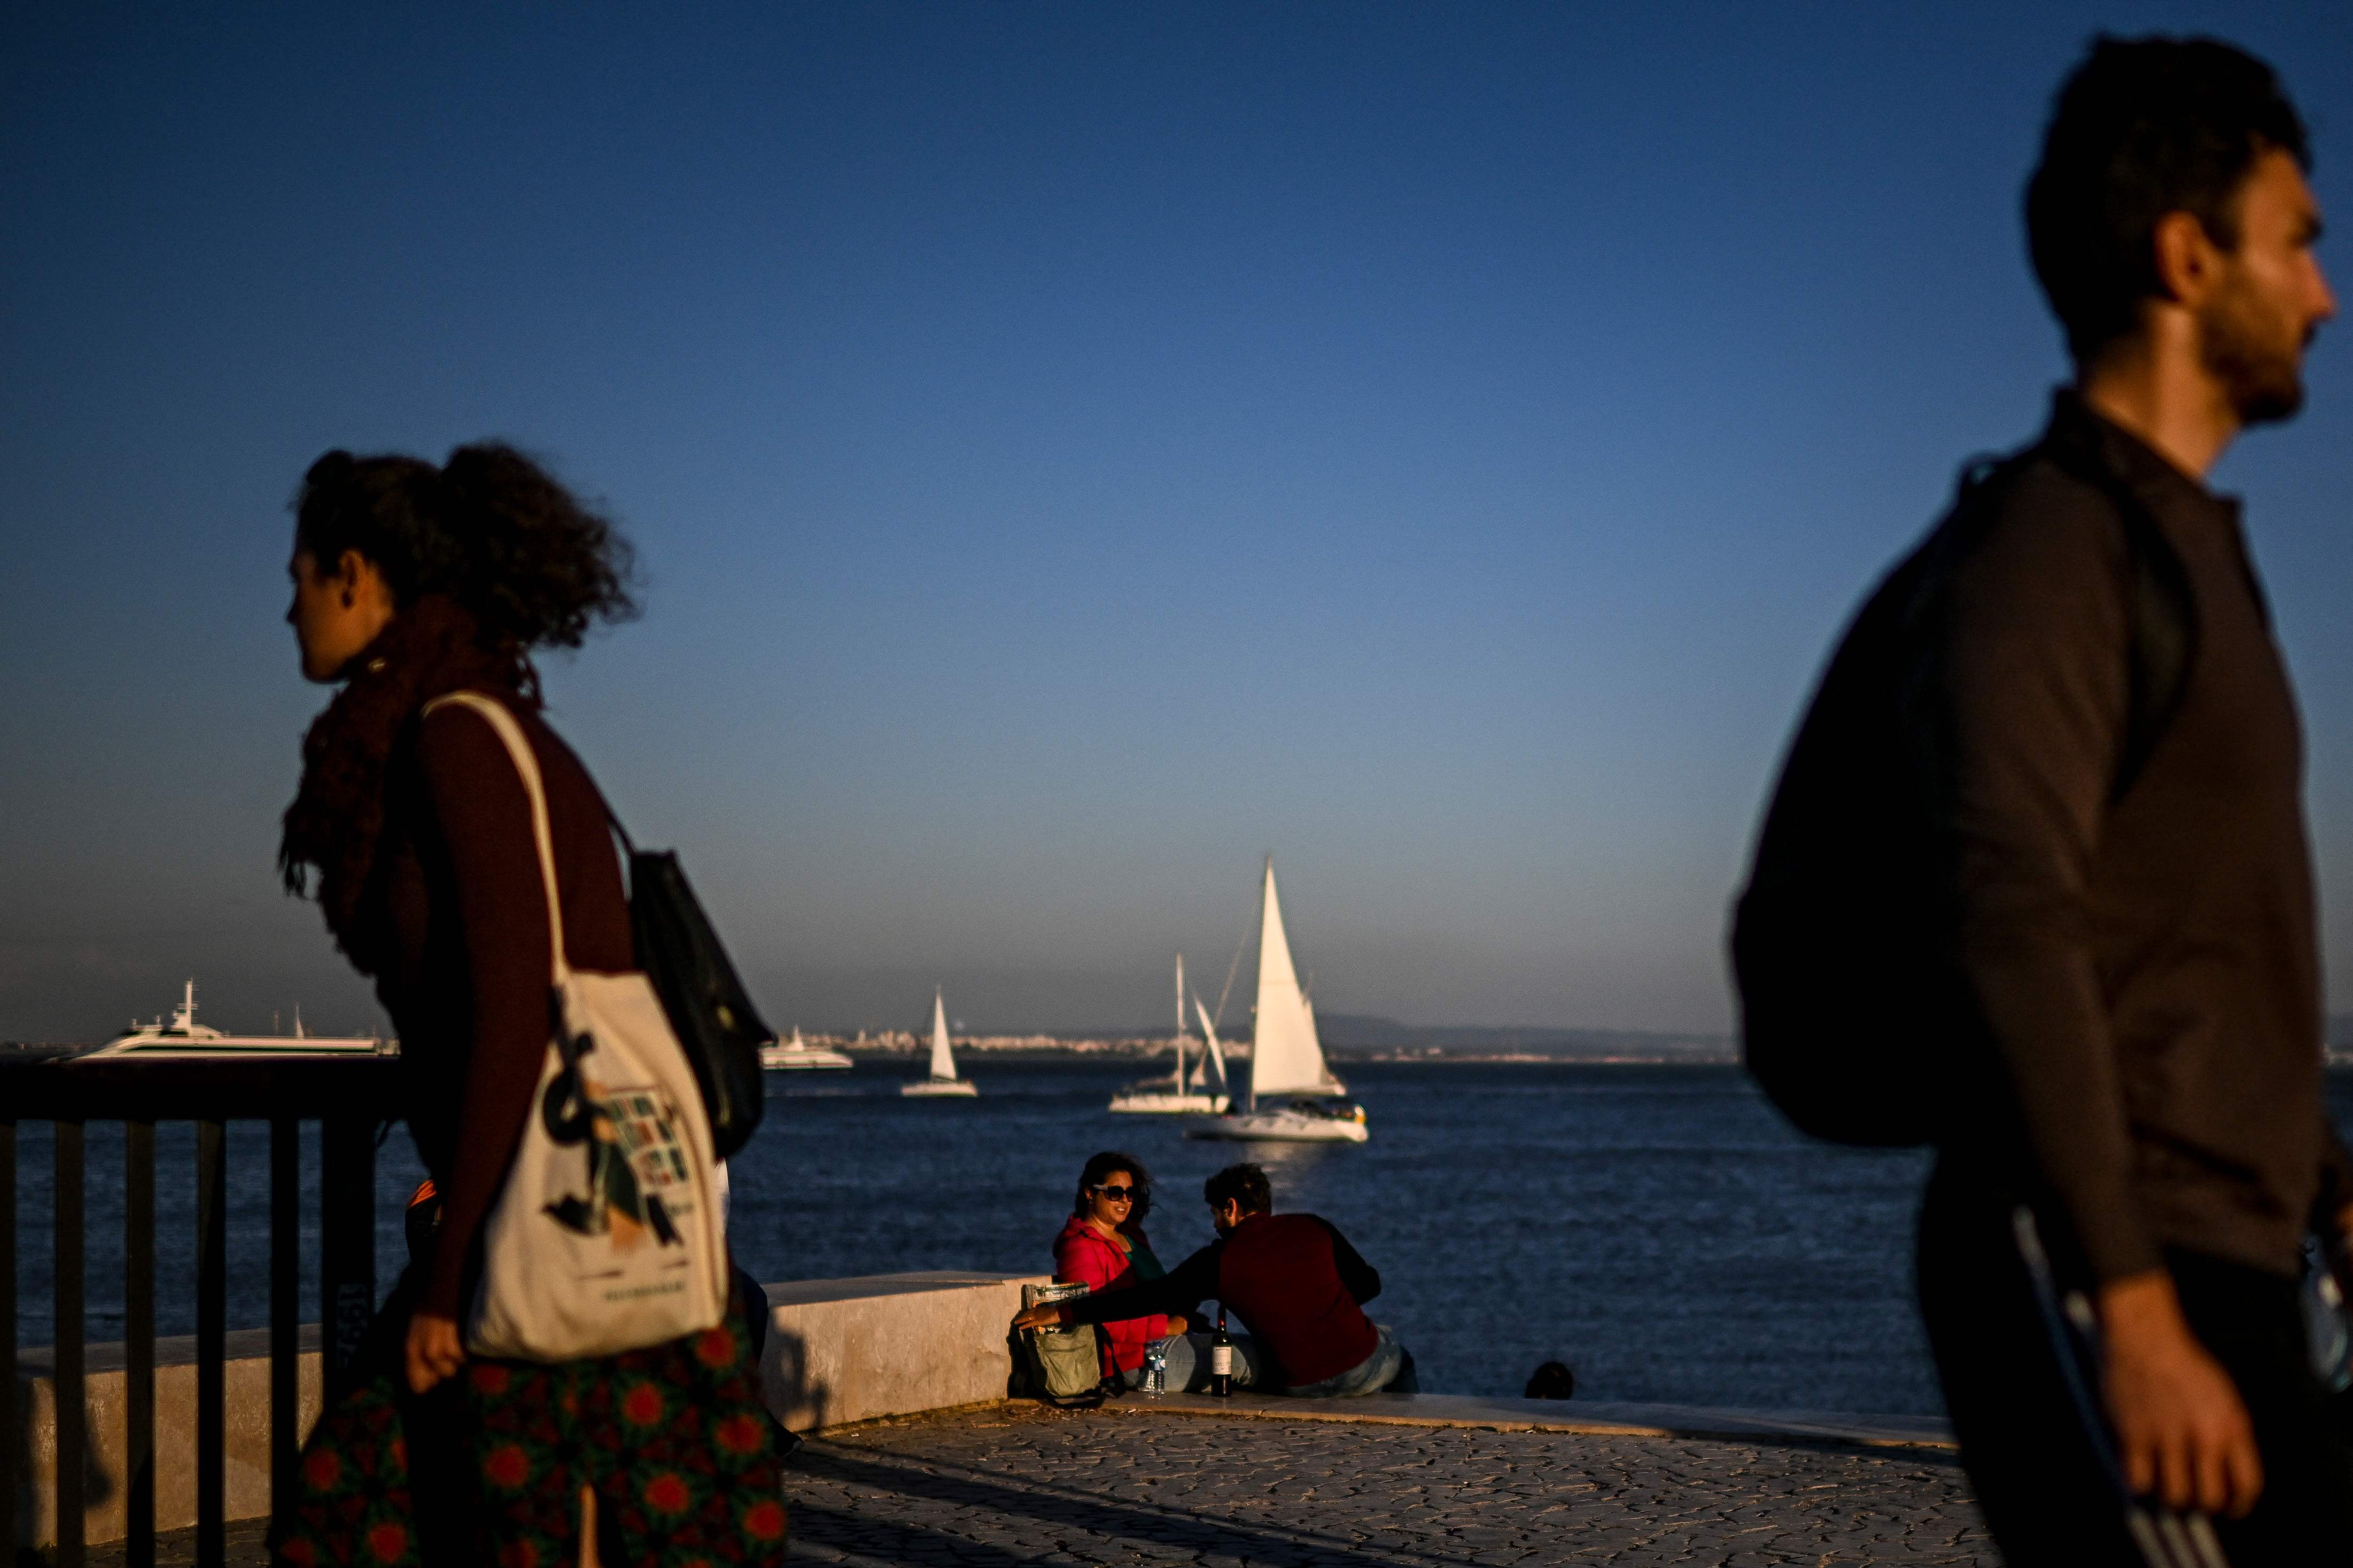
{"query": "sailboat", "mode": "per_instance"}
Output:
(1171, 1096)
(1293, 1098)
(943, 1082)
(798, 1055)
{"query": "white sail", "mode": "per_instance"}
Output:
(1217, 1053)
(1285, 1056)
(943, 1059)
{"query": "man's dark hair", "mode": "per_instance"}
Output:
(2145, 127)
(1244, 1184)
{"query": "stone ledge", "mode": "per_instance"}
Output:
(841, 1351)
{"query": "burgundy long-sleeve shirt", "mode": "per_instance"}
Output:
(468, 982)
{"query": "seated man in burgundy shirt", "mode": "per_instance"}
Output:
(1292, 1280)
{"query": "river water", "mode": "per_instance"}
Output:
(1659, 1228)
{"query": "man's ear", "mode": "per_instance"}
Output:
(2187, 260)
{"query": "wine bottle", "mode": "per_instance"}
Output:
(1221, 1359)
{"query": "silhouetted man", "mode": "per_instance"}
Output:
(2143, 963)
(1292, 1280)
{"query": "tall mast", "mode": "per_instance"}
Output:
(1180, 1023)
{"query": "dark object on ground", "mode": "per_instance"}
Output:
(708, 1007)
(1554, 1380)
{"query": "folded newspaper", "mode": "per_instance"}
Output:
(1033, 1294)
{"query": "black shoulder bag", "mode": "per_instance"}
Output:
(700, 990)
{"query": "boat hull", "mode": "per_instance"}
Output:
(939, 1089)
(1165, 1104)
(810, 1061)
(1282, 1127)
(180, 1048)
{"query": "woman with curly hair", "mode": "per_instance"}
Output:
(414, 832)
(1104, 1244)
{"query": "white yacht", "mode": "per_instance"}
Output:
(798, 1055)
(1173, 1096)
(184, 1037)
(943, 1083)
(1293, 1097)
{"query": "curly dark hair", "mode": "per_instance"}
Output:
(490, 529)
(1099, 1169)
(2143, 128)
(1245, 1184)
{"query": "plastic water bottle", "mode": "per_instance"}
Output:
(1221, 1359)
(1155, 1368)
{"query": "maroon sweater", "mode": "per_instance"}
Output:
(456, 887)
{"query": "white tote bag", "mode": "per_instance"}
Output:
(607, 1234)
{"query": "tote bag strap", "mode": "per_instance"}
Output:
(527, 765)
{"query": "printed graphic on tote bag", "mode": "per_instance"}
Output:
(637, 1177)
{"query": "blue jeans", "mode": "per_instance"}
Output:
(1389, 1369)
(1188, 1363)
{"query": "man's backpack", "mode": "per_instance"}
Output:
(1853, 1015)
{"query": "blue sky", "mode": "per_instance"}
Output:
(1072, 451)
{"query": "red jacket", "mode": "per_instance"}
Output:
(1083, 1257)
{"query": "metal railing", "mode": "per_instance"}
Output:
(349, 1095)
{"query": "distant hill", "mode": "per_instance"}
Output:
(1354, 1035)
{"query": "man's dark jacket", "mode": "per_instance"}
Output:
(2146, 968)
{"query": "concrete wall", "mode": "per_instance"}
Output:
(245, 1383)
(838, 1350)
(887, 1344)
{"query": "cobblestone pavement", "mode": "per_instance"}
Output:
(243, 1548)
(1022, 1484)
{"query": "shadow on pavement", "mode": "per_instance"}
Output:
(1049, 1503)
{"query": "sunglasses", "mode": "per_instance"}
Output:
(1116, 1194)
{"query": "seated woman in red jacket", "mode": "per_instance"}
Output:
(1104, 1244)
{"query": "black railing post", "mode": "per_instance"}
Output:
(139, 1343)
(68, 1093)
(212, 1284)
(346, 1239)
(285, 1304)
(12, 1452)
(69, 1397)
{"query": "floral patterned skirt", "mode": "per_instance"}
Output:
(487, 1469)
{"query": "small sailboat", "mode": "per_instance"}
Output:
(184, 1037)
(1293, 1097)
(1173, 1096)
(798, 1055)
(943, 1082)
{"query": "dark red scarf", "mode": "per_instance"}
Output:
(433, 646)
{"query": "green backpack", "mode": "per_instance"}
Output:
(1063, 1367)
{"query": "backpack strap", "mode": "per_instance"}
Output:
(2160, 610)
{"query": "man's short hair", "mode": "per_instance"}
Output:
(1243, 1185)
(2145, 127)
